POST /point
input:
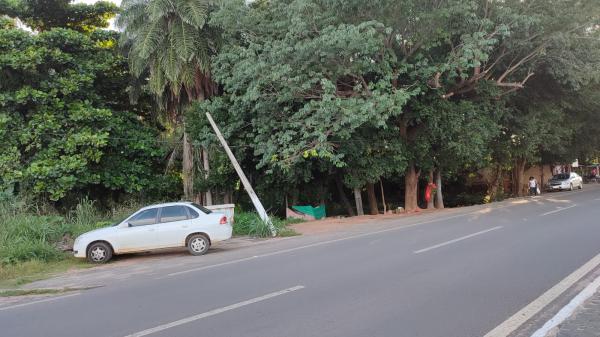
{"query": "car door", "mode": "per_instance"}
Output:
(139, 233)
(200, 221)
(173, 225)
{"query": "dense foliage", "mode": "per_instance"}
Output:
(65, 118)
(323, 88)
(315, 97)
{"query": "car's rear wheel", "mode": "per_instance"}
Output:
(99, 252)
(198, 244)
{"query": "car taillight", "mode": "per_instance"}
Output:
(223, 220)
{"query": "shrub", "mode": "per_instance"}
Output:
(249, 223)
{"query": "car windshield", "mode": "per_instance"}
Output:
(119, 221)
(202, 208)
(561, 176)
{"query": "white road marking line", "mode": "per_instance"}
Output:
(558, 210)
(455, 240)
(36, 302)
(568, 310)
(325, 243)
(213, 312)
(515, 321)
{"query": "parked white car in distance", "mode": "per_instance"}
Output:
(178, 224)
(565, 181)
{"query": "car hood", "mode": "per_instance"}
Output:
(559, 180)
(98, 232)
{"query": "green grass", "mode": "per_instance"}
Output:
(248, 223)
(16, 274)
(24, 292)
(32, 237)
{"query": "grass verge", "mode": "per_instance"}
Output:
(25, 292)
(18, 274)
(33, 238)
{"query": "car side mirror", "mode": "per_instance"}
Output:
(129, 224)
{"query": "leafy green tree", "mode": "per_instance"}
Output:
(59, 129)
(43, 15)
(458, 135)
(305, 80)
(547, 119)
(458, 47)
(372, 154)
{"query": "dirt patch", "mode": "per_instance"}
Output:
(332, 224)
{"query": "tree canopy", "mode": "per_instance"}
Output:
(43, 15)
(315, 97)
(65, 118)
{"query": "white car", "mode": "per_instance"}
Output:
(179, 224)
(565, 181)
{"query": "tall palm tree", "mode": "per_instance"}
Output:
(169, 42)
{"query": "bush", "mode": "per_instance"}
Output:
(249, 223)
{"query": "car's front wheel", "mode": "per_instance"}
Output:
(198, 244)
(99, 252)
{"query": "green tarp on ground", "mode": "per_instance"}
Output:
(316, 212)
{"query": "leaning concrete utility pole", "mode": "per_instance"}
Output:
(259, 207)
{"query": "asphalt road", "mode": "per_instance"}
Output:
(457, 274)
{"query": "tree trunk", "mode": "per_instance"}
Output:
(187, 168)
(439, 197)
(430, 202)
(541, 183)
(343, 198)
(494, 186)
(208, 195)
(411, 182)
(358, 200)
(372, 199)
(518, 171)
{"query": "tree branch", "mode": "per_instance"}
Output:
(523, 60)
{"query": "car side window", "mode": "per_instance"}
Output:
(144, 218)
(193, 213)
(173, 213)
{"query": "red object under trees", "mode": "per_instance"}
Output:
(428, 191)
